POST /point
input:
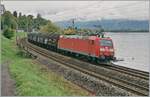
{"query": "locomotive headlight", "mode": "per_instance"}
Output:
(102, 49)
(111, 50)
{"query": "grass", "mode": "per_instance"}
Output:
(33, 79)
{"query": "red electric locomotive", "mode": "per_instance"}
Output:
(91, 46)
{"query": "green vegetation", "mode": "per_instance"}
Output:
(27, 23)
(50, 28)
(39, 22)
(8, 33)
(82, 31)
(8, 21)
(9, 24)
(33, 79)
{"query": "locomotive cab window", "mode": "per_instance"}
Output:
(106, 43)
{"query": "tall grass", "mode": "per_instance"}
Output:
(33, 79)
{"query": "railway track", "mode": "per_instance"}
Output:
(133, 72)
(131, 87)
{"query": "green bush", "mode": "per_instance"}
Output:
(8, 33)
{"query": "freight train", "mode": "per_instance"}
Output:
(93, 48)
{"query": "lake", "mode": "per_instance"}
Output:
(133, 48)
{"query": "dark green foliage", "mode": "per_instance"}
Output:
(15, 14)
(50, 28)
(22, 22)
(39, 21)
(27, 23)
(8, 33)
(8, 21)
(9, 24)
(30, 23)
(20, 14)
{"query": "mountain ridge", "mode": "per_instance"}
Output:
(109, 24)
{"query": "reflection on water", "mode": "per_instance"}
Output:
(134, 48)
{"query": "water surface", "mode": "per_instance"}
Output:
(133, 48)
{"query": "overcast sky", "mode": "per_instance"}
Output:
(82, 10)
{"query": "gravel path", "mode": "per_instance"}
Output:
(7, 84)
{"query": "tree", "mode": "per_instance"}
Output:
(30, 22)
(27, 23)
(20, 14)
(39, 21)
(70, 30)
(8, 33)
(9, 24)
(15, 14)
(23, 22)
(39, 15)
(8, 21)
(50, 28)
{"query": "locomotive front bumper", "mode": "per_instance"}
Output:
(103, 57)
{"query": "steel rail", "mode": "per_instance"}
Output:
(125, 70)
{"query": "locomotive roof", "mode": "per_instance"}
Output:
(84, 37)
(74, 36)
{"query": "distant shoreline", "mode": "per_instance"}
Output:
(126, 32)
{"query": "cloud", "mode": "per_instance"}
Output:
(82, 10)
